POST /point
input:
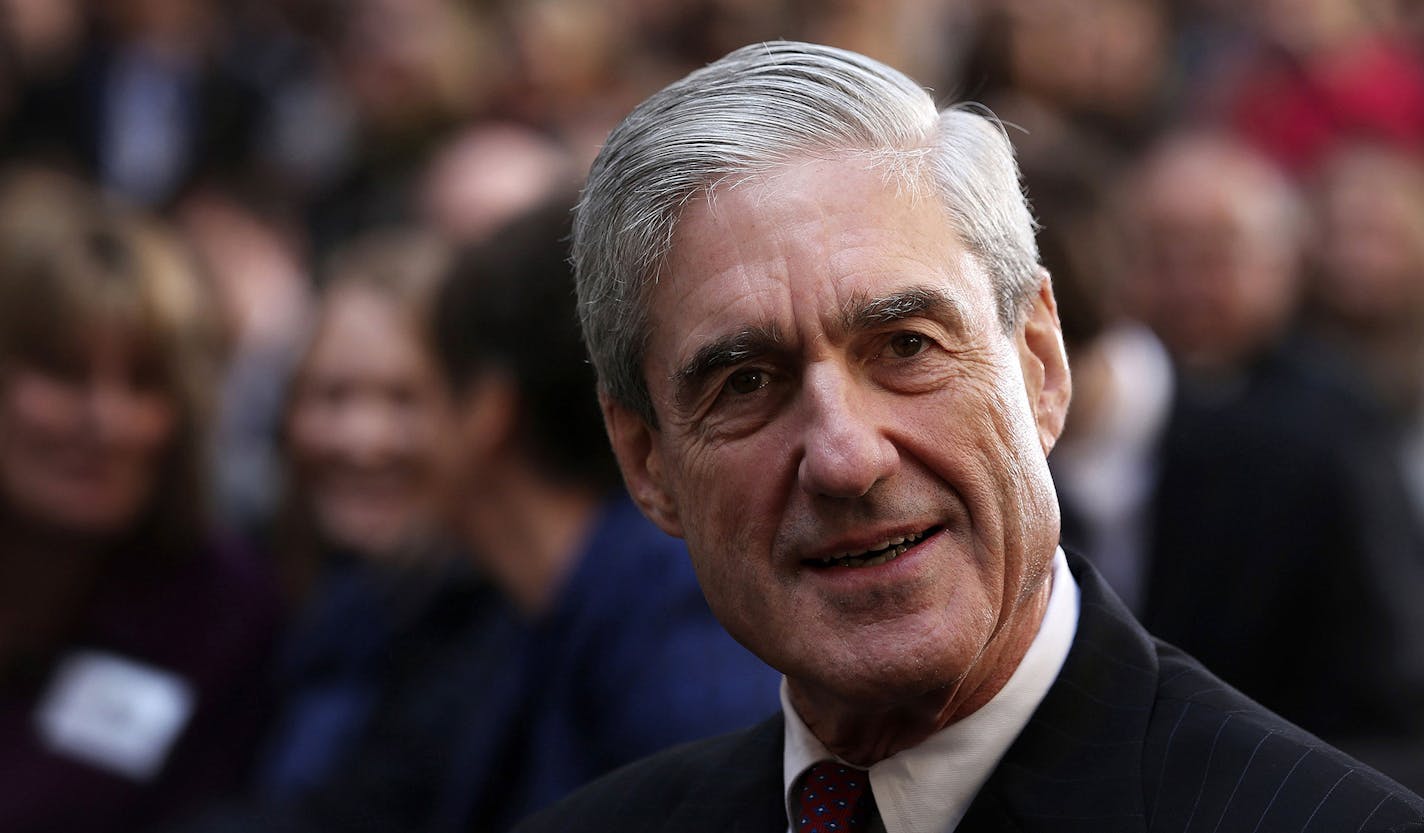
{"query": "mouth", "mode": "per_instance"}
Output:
(880, 553)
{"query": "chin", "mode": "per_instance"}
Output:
(872, 681)
(364, 529)
(89, 513)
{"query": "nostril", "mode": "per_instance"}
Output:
(845, 452)
(846, 468)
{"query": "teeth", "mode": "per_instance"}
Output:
(886, 551)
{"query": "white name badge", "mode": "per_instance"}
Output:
(114, 713)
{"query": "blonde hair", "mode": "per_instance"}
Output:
(71, 260)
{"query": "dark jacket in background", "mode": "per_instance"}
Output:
(209, 621)
(497, 716)
(1282, 552)
(1286, 557)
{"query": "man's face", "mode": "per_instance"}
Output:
(831, 378)
(1214, 278)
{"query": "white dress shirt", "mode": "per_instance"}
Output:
(928, 788)
(1108, 468)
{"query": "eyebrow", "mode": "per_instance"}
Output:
(859, 314)
(727, 351)
(862, 313)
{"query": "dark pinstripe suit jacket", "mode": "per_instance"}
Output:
(1133, 736)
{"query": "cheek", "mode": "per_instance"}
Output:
(980, 438)
(1014, 455)
(37, 407)
(427, 429)
(318, 436)
(21, 459)
(1028, 500)
(734, 492)
(740, 586)
(729, 501)
(155, 422)
(37, 420)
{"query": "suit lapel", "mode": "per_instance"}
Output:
(763, 802)
(988, 815)
(741, 791)
(1076, 766)
(1078, 763)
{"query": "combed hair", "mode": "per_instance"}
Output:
(759, 108)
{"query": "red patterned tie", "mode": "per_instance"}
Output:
(833, 798)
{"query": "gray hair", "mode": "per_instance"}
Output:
(759, 108)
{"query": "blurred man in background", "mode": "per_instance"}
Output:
(601, 648)
(1281, 548)
(1369, 282)
(615, 653)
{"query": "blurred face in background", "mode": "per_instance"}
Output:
(408, 64)
(487, 176)
(1371, 209)
(1215, 269)
(83, 435)
(1096, 56)
(1314, 26)
(368, 423)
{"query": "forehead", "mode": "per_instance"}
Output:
(78, 336)
(365, 330)
(795, 248)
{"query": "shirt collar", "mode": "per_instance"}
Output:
(928, 788)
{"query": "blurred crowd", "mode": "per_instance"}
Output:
(307, 521)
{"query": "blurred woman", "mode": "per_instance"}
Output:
(130, 639)
(362, 552)
(368, 410)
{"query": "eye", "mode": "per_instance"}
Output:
(905, 345)
(747, 380)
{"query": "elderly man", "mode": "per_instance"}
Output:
(830, 361)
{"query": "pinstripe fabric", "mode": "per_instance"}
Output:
(1133, 736)
(730, 784)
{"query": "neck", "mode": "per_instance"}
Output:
(527, 532)
(46, 579)
(864, 736)
(1390, 349)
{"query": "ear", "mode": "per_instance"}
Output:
(635, 444)
(1045, 364)
(488, 413)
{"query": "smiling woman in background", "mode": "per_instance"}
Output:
(368, 411)
(364, 556)
(130, 640)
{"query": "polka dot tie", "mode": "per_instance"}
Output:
(832, 798)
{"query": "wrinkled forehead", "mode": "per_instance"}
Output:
(906, 172)
(827, 238)
(843, 200)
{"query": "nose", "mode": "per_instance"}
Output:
(367, 433)
(846, 452)
(115, 412)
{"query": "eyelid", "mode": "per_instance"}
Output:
(707, 371)
(922, 341)
(921, 328)
(749, 368)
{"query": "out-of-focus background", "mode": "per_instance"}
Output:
(300, 475)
